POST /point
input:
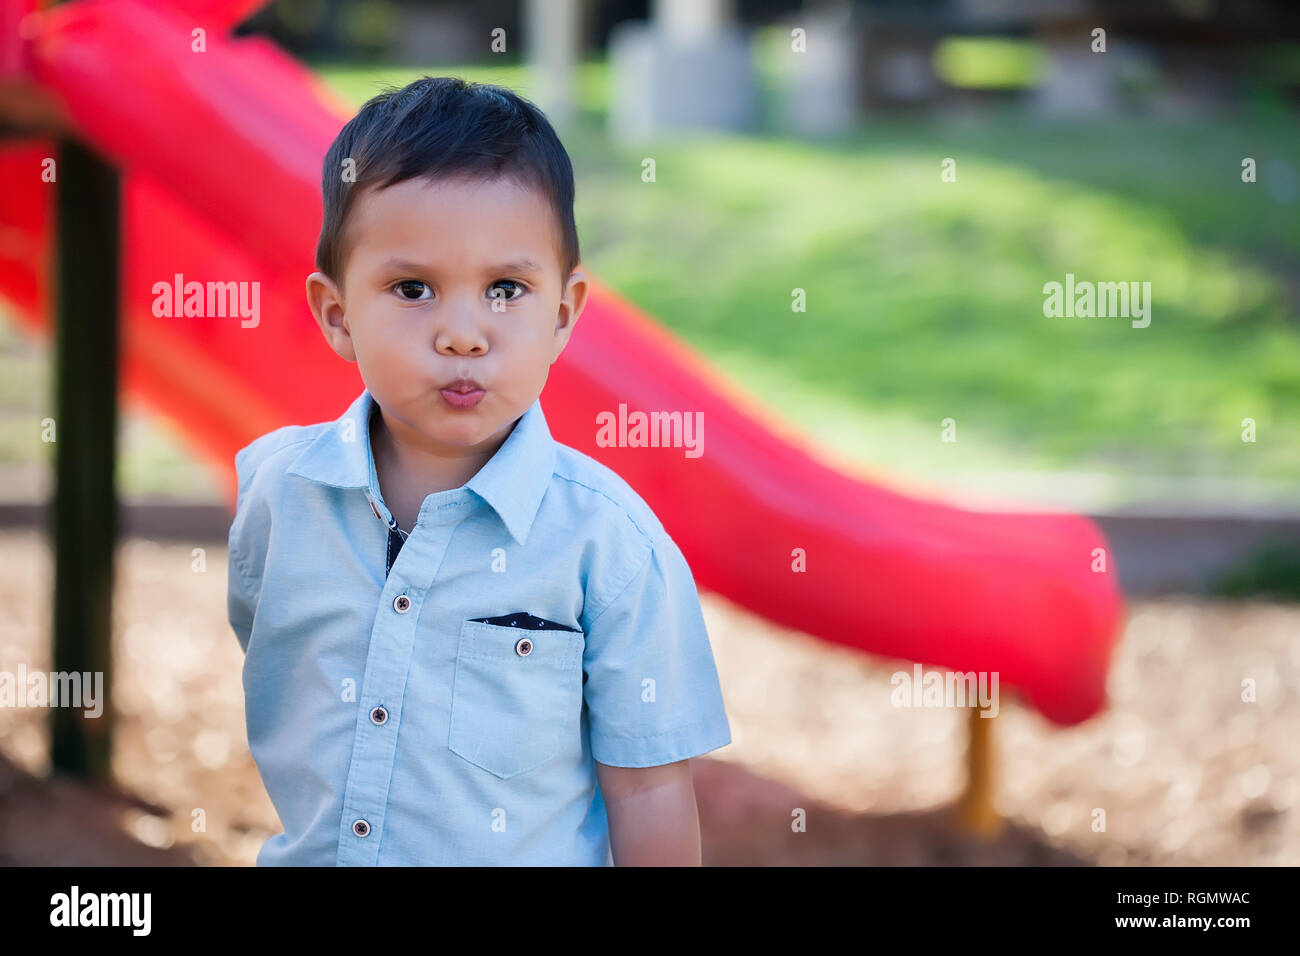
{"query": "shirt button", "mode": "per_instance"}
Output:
(376, 511)
(361, 828)
(378, 716)
(523, 647)
(401, 604)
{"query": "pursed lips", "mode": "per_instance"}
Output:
(463, 386)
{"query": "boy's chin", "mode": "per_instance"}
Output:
(461, 434)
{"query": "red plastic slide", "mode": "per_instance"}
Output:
(221, 156)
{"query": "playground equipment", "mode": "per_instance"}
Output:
(219, 154)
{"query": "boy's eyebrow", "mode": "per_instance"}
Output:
(520, 265)
(516, 265)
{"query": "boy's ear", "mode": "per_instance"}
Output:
(326, 303)
(571, 305)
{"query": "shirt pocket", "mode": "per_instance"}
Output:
(516, 698)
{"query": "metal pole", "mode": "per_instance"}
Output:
(84, 518)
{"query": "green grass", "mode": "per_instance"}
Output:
(924, 298)
(359, 83)
(989, 62)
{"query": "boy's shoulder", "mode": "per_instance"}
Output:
(274, 452)
(628, 537)
(607, 492)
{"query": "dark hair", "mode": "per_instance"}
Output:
(445, 126)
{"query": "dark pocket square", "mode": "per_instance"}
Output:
(525, 620)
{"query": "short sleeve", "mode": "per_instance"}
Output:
(241, 590)
(652, 690)
(240, 604)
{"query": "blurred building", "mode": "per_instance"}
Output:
(822, 67)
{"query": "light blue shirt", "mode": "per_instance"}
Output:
(391, 727)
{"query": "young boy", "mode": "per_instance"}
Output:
(465, 642)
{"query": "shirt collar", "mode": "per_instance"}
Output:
(512, 482)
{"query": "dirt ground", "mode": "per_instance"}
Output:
(1185, 771)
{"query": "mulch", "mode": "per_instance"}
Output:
(1182, 770)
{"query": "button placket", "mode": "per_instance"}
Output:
(393, 550)
(385, 678)
(396, 537)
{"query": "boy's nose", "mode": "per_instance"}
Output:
(460, 331)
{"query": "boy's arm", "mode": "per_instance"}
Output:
(653, 819)
(653, 701)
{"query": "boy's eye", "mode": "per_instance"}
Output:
(495, 292)
(411, 285)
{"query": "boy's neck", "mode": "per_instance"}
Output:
(407, 475)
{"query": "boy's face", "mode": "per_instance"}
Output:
(448, 280)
